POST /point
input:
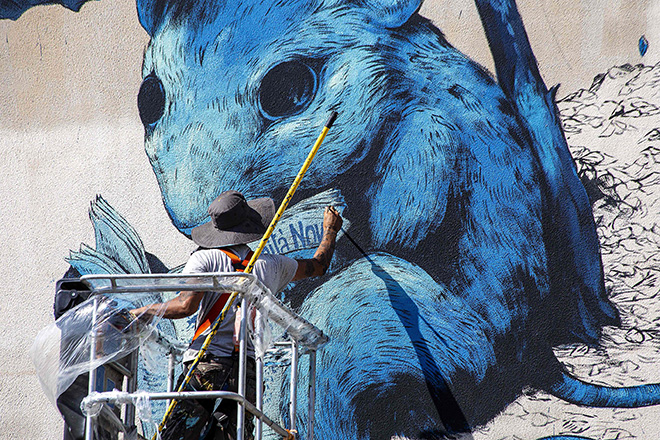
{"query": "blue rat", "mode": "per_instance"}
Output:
(472, 248)
(445, 173)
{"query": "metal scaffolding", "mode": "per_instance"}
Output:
(303, 337)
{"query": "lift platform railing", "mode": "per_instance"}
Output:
(252, 293)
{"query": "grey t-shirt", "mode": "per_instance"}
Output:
(274, 271)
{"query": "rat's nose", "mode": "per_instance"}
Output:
(151, 100)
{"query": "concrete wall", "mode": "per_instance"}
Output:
(69, 130)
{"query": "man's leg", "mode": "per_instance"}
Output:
(186, 422)
(190, 417)
(226, 413)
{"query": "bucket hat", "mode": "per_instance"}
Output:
(234, 220)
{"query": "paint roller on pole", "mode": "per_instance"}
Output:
(278, 215)
(289, 194)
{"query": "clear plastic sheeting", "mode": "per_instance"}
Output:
(272, 310)
(257, 295)
(102, 329)
(96, 332)
(91, 405)
(143, 407)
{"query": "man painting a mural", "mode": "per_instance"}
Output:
(234, 222)
(472, 249)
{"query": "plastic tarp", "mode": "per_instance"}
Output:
(102, 329)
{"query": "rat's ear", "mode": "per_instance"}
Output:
(153, 13)
(392, 13)
(150, 14)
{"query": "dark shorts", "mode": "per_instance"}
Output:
(191, 419)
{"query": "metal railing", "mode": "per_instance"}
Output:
(302, 334)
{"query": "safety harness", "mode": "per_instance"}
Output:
(239, 266)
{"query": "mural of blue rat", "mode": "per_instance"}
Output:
(477, 249)
(471, 250)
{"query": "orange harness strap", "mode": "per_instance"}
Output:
(239, 266)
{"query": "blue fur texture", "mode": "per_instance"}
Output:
(451, 290)
(472, 249)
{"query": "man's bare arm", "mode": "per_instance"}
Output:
(318, 265)
(184, 304)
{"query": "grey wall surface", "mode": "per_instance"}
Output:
(69, 130)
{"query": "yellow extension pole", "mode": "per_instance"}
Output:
(250, 266)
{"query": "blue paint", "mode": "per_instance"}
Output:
(565, 437)
(298, 235)
(386, 328)
(312, 234)
(643, 45)
(283, 245)
(574, 266)
(581, 393)
(461, 188)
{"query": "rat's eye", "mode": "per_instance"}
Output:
(151, 100)
(287, 89)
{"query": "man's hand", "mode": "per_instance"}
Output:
(332, 219)
(319, 264)
(143, 314)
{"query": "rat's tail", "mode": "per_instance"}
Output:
(565, 437)
(582, 393)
